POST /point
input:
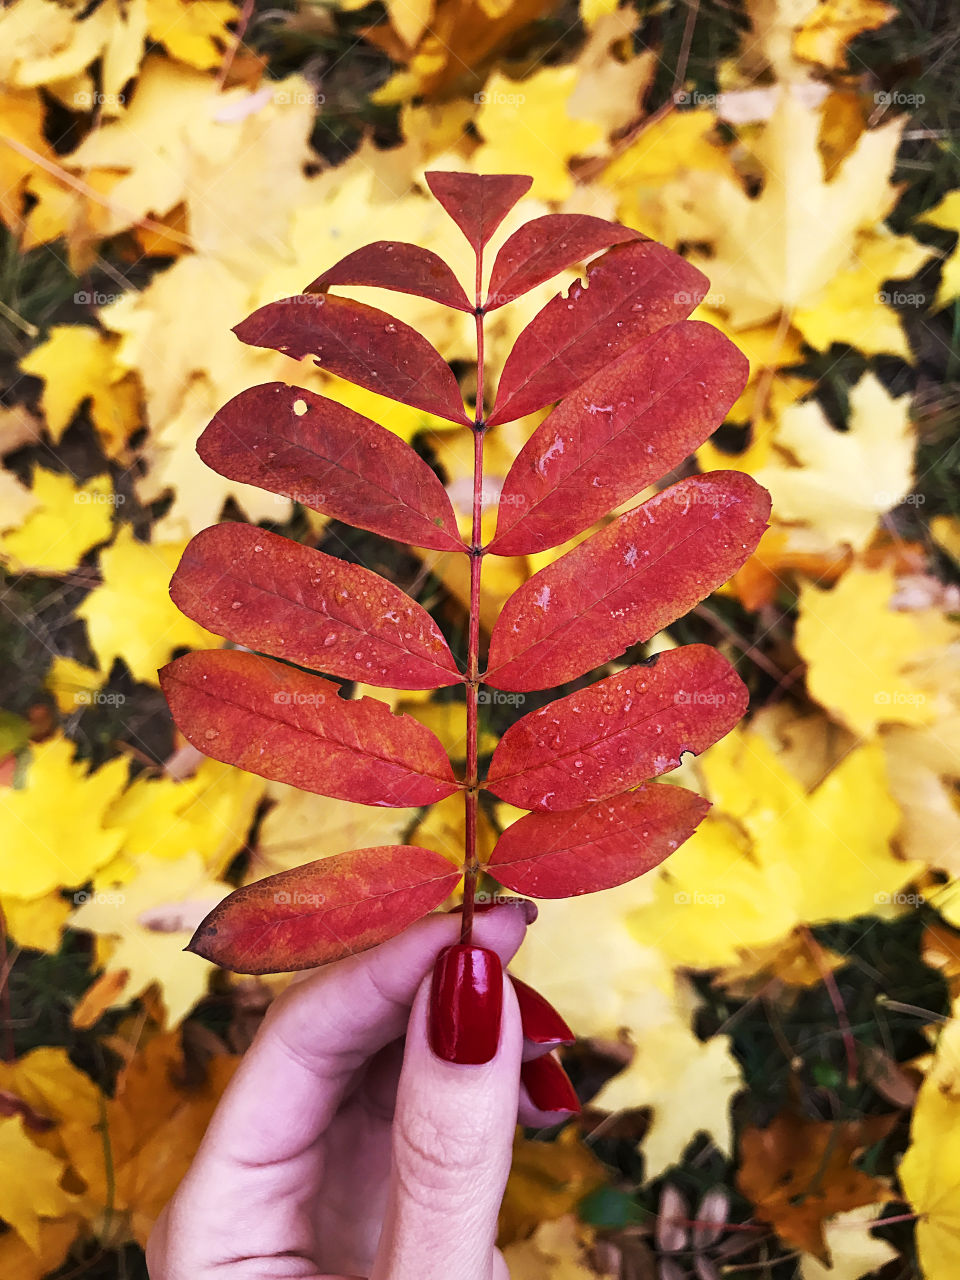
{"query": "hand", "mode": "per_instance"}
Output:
(339, 1149)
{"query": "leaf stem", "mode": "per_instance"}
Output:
(471, 865)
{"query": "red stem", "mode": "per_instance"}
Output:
(471, 865)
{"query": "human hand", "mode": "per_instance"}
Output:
(341, 1150)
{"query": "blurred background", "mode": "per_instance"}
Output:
(767, 1059)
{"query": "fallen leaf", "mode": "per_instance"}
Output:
(67, 521)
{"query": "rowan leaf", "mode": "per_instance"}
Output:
(288, 726)
(279, 597)
(477, 202)
(324, 910)
(615, 734)
(330, 459)
(544, 246)
(362, 345)
(393, 264)
(627, 582)
(630, 292)
(598, 846)
(627, 425)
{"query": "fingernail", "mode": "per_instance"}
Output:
(540, 1021)
(549, 1085)
(466, 1001)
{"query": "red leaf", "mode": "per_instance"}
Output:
(331, 459)
(617, 733)
(283, 724)
(561, 855)
(632, 422)
(405, 268)
(477, 202)
(359, 343)
(324, 910)
(628, 581)
(632, 291)
(267, 593)
(545, 246)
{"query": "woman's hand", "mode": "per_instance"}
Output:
(341, 1149)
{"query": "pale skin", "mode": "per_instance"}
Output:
(342, 1149)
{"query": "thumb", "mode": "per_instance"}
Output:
(454, 1123)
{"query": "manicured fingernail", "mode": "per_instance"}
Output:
(466, 1002)
(540, 1021)
(549, 1085)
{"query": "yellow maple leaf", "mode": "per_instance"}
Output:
(838, 483)
(18, 1261)
(853, 1251)
(557, 1249)
(778, 250)
(67, 522)
(526, 128)
(192, 31)
(72, 684)
(856, 309)
(46, 845)
(152, 917)
(54, 1090)
(946, 214)
(823, 36)
(930, 1170)
(859, 651)
(689, 1083)
(77, 364)
(36, 922)
(34, 1192)
(770, 856)
(45, 43)
(151, 1131)
(131, 615)
(208, 813)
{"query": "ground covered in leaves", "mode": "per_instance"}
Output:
(768, 1056)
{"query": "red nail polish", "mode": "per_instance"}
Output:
(540, 1020)
(466, 1001)
(549, 1085)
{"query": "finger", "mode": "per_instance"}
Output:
(321, 1031)
(547, 1096)
(452, 1144)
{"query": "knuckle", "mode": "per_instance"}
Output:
(436, 1159)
